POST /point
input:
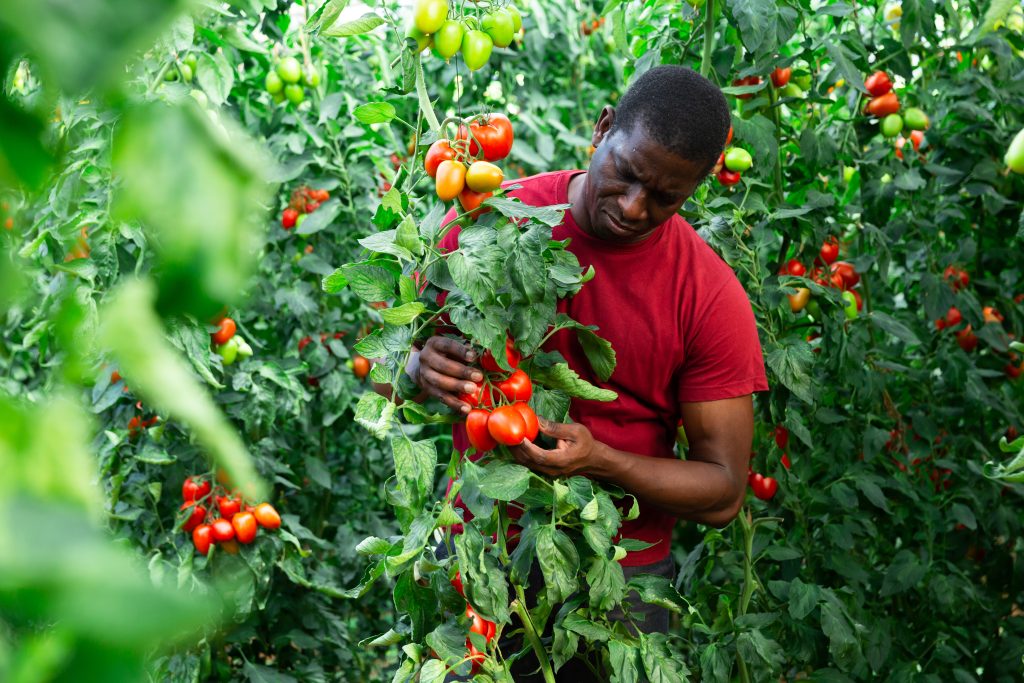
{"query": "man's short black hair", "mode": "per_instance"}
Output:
(679, 109)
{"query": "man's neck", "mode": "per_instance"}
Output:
(577, 186)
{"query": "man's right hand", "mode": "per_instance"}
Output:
(444, 371)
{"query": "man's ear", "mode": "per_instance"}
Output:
(604, 124)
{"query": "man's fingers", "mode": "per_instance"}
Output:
(557, 429)
(452, 368)
(452, 348)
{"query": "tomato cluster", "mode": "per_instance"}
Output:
(137, 423)
(286, 80)
(478, 625)
(588, 27)
(732, 162)
(456, 166)
(474, 36)
(228, 345)
(304, 201)
(828, 271)
(236, 520)
(5, 210)
(183, 69)
(500, 411)
(81, 248)
(885, 106)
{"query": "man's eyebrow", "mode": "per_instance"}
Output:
(668, 192)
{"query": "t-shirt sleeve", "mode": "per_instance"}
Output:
(723, 355)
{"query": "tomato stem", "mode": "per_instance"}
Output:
(519, 607)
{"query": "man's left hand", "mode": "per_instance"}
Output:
(577, 452)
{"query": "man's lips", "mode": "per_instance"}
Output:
(620, 227)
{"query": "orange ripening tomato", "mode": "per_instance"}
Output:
(267, 516)
(440, 151)
(483, 176)
(245, 527)
(360, 366)
(883, 105)
(224, 332)
(450, 179)
(471, 201)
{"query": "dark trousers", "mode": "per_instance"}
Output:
(649, 619)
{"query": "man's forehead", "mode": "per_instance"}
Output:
(646, 156)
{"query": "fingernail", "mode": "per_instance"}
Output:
(470, 388)
(465, 409)
(470, 356)
(477, 377)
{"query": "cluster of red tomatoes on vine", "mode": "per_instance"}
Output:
(732, 162)
(229, 345)
(592, 26)
(826, 271)
(500, 410)
(477, 625)
(214, 516)
(885, 106)
(304, 201)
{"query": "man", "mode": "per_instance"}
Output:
(680, 323)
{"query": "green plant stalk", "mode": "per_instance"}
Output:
(747, 528)
(709, 38)
(519, 607)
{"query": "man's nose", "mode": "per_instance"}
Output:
(633, 205)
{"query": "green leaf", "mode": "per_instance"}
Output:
(414, 468)
(504, 481)
(607, 583)
(513, 208)
(356, 27)
(319, 219)
(561, 376)
(215, 77)
(657, 590)
(599, 352)
(404, 314)
(905, 571)
(374, 412)
(370, 282)
(375, 112)
(791, 362)
(894, 327)
(23, 159)
(803, 598)
(559, 562)
(843, 57)
(325, 17)
(625, 660)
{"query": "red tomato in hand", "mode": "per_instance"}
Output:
(530, 418)
(195, 489)
(494, 132)
(195, 517)
(202, 538)
(476, 429)
(513, 357)
(222, 530)
(228, 506)
(517, 387)
(244, 524)
(267, 516)
(507, 426)
(224, 332)
(440, 151)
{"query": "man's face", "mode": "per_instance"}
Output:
(633, 184)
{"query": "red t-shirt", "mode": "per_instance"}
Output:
(681, 327)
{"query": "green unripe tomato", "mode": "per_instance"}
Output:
(273, 83)
(813, 309)
(1014, 157)
(310, 76)
(498, 25)
(915, 119)
(192, 62)
(892, 125)
(738, 159)
(803, 81)
(850, 307)
(289, 70)
(429, 15)
(792, 90)
(885, 179)
(848, 172)
(294, 93)
(278, 97)
(448, 39)
(517, 18)
(422, 39)
(186, 72)
(228, 351)
(171, 74)
(244, 350)
(200, 97)
(476, 49)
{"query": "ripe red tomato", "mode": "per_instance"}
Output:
(956, 277)
(244, 524)
(517, 387)
(878, 84)
(781, 436)
(482, 397)
(476, 657)
(323, 195)
(785, 461)
(224, 332)
(763, 487)
(228, 506)
(195, 517)
(202, 538)
(222, 530)
(967, 340)
(780, 77)
(916, 138)
(794, 267)
(304, 342)
(513, 357)
(847, 272)
(749, 80)
(728, 178)
(288, 218)
(883, 105)
(991, 315)
(530, 418)
(195, 489)
(1013, 371)
(476, 429)
(507, 426)
(479, 625)
(494, 131)
(440, 151)
(360, 366)
(829, 250)
(267, 516)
